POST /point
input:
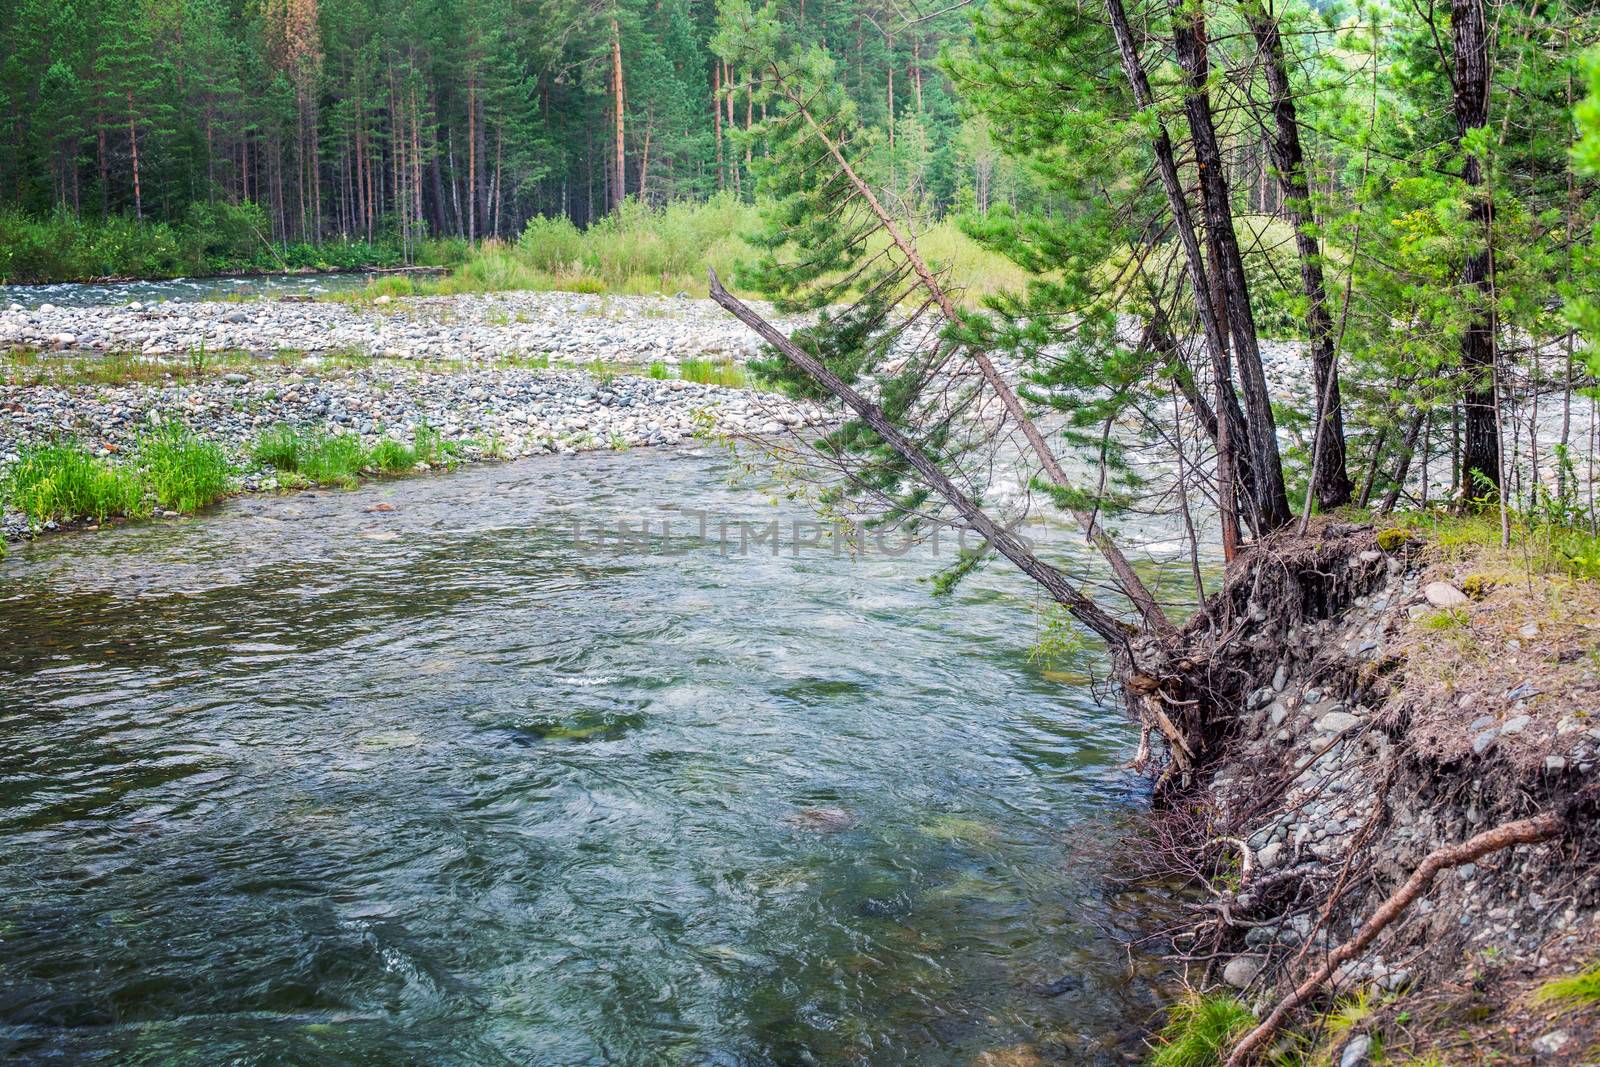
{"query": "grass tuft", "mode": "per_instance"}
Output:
(1581, 990)
(722, 372)
(1200, 1029)
(183, 472)
(339, 458)
(61, 482)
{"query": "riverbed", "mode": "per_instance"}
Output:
(438, 770)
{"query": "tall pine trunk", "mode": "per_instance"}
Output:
(133, 143)
(1194, 262)
(620, 191)
(1331, 481)
(1188, 33)
(1481, 456)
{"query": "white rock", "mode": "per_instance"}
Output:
(1444, 595)
(1242, 970)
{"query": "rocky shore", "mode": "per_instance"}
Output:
(498, 377)
(1392, 699)
(572, 327)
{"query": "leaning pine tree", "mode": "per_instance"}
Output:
(926, 383)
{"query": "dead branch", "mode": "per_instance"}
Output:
(1521, 832)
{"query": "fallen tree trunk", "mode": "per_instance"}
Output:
(1082, 607)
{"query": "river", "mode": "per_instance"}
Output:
(222, 287)
(307, 780)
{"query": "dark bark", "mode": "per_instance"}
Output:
(1481, 455)
(1183, 223)
(1188, 34)
(1158, 338)
(1402, 464)
(1330, 479)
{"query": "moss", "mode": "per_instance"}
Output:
(1477, 586)
(1393, 538)
(1581, 990)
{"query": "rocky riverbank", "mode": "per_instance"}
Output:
(571, 327)
(1380, 697)
(491, 389)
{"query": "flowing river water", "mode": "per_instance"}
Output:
(307, 780)
(440, 771)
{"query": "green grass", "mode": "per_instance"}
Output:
(642, 250)
(1581, 990)
(659, 372)
(183, 472)
(1200, 1029)
(708, 372)
(340, 458)
(62, 482)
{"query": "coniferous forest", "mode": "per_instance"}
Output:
(353, 119)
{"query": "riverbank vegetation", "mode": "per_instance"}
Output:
(310, 457)
(208, 240)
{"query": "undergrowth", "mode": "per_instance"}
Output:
(339, 458)
(183, 472)
(60, 482)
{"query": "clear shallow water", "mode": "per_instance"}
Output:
(303, 782)
(92, 294)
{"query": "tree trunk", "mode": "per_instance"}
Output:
(1188, 34)
(133, 142)
(1331, 480)
(1082, 607)
(472, 155)
(620, 191)
(1183, 222)
(1481, 459)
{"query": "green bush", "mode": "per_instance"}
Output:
(59, 482)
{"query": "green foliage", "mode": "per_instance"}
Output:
(340, 458)
(211, 239)
(724, 372)
(181, 471)
(1200, 1029)
(60, 482)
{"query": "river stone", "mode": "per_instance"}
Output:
(1242, 970)
(1552, 1043)
(1357, 1051)
(821, 820)
(1270, 856)
(1514, 726)
(1444, 595)
(1337, 722)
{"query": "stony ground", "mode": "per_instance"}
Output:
(1415, 717)
(572, 327)
(499, 376)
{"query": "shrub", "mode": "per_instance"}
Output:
(57, 482)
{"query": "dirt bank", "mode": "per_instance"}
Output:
(1354, 700)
